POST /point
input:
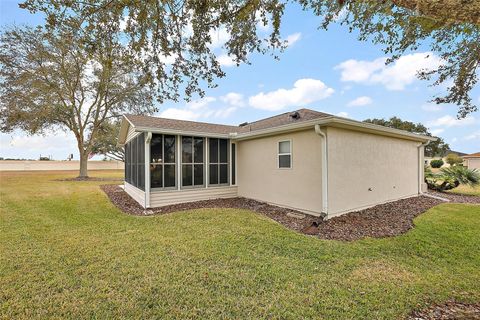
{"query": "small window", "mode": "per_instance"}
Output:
(285, 154)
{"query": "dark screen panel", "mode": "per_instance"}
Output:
(169, 149)
(213, 174)
(213, 150)
(170, 174)
(198, 150)
(156, 149)
(198, 174)
(223, 151)
(187, 155)
(223, 173)
(156, 178)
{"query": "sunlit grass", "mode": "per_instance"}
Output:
(464, 189)
(67, 252)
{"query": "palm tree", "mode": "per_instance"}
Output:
(452, 177)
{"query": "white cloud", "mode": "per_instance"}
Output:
(304, 91)
(219, 37)
(432, 107)
(360, 101)
(294, 37)
(343, 114)
(473, 136)
(203, 109)
(394, 76)
(226, 61)
(200, 103)
(436, 132)
(180, 114)
(234, 99)
(449, 121)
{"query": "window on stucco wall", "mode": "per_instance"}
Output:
(285, 154)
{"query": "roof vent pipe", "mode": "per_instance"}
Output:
(295, 115)
(322, 134)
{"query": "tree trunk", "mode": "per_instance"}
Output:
(83, 164)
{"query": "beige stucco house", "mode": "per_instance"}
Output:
(472, 161)
(306, 160)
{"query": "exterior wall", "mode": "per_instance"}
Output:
(137, 194)
(32, 165)
(163, 198)
(359, 161)
(472, 163)
(258, 175)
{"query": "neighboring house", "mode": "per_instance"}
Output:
(305, 160)
(472, 161)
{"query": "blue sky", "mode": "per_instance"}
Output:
(329, 71)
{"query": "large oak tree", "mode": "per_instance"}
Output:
(182, 31)
(57, 79)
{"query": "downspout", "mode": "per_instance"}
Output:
(324, 171)
(421, 165)
(148, 138)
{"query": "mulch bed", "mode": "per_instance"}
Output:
(448, 311)
(385, 220)
(456, 198)
(89, 179)
(125, 203)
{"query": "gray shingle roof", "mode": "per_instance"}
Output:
(182, 125)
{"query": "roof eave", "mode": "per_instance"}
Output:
(376, 129)
(122, 135)
(334, 121)
(277, 130)
(183, 132)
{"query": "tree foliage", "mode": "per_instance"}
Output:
(106, 141)
(453, 159)
(183, 31)
(436, 163)
(57, 79)
(434, 148)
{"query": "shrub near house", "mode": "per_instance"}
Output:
(453, 159)
(436, 163)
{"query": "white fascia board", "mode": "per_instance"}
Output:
(122, 135)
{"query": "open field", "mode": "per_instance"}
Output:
(67, 252)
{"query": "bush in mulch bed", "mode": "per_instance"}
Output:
(385, 220)
(448, 311)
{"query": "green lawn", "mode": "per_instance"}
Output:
(463, 189)
(67, 252)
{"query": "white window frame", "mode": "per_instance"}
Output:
(284, 154)
(231, 163)
(193, 163)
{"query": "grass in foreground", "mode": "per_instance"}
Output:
(66, 252)
(464, 189)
